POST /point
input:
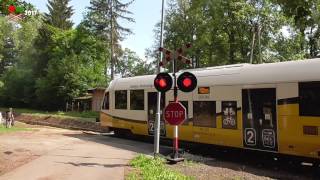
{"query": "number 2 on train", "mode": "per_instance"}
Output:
(250, 136)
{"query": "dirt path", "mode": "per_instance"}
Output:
(50, 153)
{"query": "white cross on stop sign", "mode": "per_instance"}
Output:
(175, 113)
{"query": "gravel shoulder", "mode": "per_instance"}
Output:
(209, 168)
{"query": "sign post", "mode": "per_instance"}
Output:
(158, 114)
(175, 114)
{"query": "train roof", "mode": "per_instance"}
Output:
(238, 74)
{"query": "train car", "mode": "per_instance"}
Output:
(272, 107)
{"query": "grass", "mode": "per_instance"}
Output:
(3, 129)
(153, 169)
(86, 115)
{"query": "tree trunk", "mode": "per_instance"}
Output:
(111, 38)
(302, 40)
(232, 47)
(252, 46)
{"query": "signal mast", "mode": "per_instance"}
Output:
(175, 112)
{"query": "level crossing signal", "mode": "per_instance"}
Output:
(163, 82)
(187, 82)
(175, 112)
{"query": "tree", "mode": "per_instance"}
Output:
(305, 15)
(227, 31)
(75, 64)
(59, 14)
(19, 81)
(129, 64)
(103, 19)
(7, 45)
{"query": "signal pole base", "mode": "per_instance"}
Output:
(174, 158)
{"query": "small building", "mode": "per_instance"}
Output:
(97, 98)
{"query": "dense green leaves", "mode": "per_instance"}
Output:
(51, 66)
(59, 14)
(103, 19)
(76, 64)
(46, 63)
(129, 64)
(241, 31)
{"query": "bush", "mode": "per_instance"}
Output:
(153, 169)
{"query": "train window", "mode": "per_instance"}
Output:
(105, 104)
(204, 113)
(229, 114)
(120, 99)
(309, 102)
(137, 99)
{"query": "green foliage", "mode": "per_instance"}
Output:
(103, 20)
(59, 14)
(224, 31)
(129, 64)
(153, 169)
(18, 79)
(76, 63)
(50, 66)
(19, 87)
(8, 50)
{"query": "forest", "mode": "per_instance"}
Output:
(46, 60)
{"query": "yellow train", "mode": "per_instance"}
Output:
(271, 107)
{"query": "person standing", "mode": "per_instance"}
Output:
(1, 119)
(9, 118)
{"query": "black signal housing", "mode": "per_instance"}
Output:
(187, 82)
(163, 82)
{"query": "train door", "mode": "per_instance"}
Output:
(259, 119)
(152, 110)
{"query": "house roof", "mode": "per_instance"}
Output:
(92, 90)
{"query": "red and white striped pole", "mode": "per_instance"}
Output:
(175, 130)
(175, 142)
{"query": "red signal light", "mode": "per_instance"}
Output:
(187, 82)
(163, 82)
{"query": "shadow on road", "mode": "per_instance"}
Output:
(120, 143)
(87, 157)
(93, 164)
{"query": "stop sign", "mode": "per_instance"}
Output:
(175, 113)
